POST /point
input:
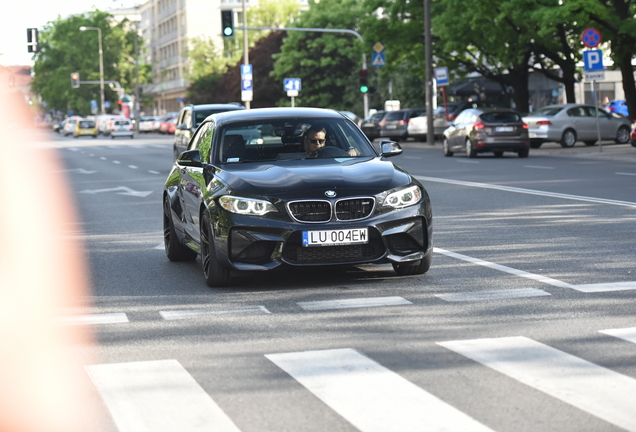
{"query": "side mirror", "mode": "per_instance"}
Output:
(182, 126)
(390, 148)
(190, 158)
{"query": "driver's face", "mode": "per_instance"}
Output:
(314, 140)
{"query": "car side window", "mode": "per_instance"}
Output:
(576, 112)
(196, 140)
(187, 117)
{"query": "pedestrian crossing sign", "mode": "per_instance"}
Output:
(378, 59)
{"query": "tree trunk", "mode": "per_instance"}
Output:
(629, 84)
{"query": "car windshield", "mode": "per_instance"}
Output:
(86, 124)
(394, 115)
(121, 122)
(500, 117)
(546, 112)
(278, 140)
(200, 115)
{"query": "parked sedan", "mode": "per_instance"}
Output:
(371, 125)
(122, 128)
(569, 123)
(246, 196)
(482, 130)
(395, 124)
(147, 124)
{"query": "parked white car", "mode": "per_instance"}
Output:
(418, 127)
(147, 124)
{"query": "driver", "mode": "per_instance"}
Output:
(316, 137)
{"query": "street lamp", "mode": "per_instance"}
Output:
(101, 62)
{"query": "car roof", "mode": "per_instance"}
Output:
(274, 114)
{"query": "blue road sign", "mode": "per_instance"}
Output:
(246, 85)
(246, 69)
(593, 60)
(292, 84)
(441, 76)
(378, 59)
(591, 37)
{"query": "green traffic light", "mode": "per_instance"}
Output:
(364, 89)
(227, 31)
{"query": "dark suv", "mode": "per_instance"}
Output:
(394, 124)
(190, 117)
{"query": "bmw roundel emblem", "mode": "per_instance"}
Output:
(330, 193)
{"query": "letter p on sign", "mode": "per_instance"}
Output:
(593, 60)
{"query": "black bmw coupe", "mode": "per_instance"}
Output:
(248, 194)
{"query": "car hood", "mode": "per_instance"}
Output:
(309, 179)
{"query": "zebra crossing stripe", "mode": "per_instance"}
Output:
(93, 319)
(493, 295)
(353, 303)
(371, 397)
(157, 396)
(196, 313)
(628, 334)
(589, 387)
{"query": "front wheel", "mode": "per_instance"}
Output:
(214, 273)
(568, 139)
(623, 135)
(446, 147)
(414, 268)
(175, 251)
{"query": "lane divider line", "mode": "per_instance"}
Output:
(353, 303)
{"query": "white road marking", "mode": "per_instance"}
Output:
(586, 288)
(538, 167)
(353, 303)
(103, 158)
(93, 319)
(157, 396)
(606, 287)
(493, 295)
(153, 172)
(466, 161)
(133, 166)
(627, 174)
(196, 313)
(124, 191)
(116, 162)
(528, 191)
(504, 269)
(589, 387)
(76, 170)
(368, 395)
(160, 246)
(412, 157)
(628, 334)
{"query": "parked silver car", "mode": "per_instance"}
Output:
(569, 123)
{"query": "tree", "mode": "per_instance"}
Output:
(327, 63)
(204, 58)
(65, 49)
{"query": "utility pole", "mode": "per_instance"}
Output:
(246, 59)
(430, 131)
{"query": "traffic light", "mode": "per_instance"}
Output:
(227, 23)
(32, 40)
(75, 80)
(364, 81)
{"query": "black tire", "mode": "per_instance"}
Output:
(523, 153)
(623, 135)
(535, 144)
(112, 137)
(175, 251)
(414, 268)
(470, 149)
(569, 138)
(498, 154)
(94, 136)
(214, 273)
(446, 148)
(132, 136)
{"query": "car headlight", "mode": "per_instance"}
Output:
(404, 197)
(246, 206)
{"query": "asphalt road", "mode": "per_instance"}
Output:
(525, 321)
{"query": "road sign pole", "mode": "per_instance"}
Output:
(292, 102)
(598, 123)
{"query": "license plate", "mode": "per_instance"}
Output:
(391, 126)
(504, 129)
(532, 135)
(336, 237)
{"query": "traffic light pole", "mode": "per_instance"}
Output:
(365, 96)
(246, 59)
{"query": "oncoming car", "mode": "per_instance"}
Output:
(247, 195)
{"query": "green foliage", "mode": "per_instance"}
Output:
(327, 63)
(204, 59)
(65, 49)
